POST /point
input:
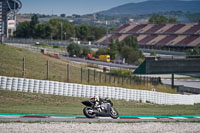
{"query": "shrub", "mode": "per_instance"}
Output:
(121, 72)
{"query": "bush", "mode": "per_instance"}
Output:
(121, 72)
(85, 51)
(195, 51)
(55, 46)
(74, 49)
(153, 53)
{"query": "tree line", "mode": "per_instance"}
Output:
(58, 29)
(127, 49)
(159, 19)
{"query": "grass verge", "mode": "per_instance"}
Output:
(28, 103)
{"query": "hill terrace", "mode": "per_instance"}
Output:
(158, 36)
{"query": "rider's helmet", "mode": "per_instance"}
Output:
(96, 98)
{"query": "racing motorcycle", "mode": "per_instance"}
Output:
(105, 109)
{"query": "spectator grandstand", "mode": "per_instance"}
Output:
(158, 36)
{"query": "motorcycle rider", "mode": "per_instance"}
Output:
(97, 101)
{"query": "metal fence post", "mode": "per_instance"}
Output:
(23, 67)
(109, 77)
(88, 76)
(144, 80)
(114, 79)
(136, 80)
(122, 80)
(126, 79)
(105, 77)
(100, 77)
(67, 72)
(118, 79)
(81, 74)
(47, 70)
(94, 75)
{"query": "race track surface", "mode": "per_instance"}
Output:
(81, 118)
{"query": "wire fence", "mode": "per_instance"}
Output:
(73, 73)
(38, 49)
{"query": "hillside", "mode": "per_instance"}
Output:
(154, 6)
(36, 68)
(35, 64)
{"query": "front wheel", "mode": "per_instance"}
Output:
(113, 113)
(88, 112)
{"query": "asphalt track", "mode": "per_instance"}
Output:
(101, 63)
(81, 118)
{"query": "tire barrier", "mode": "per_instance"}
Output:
(79, 90)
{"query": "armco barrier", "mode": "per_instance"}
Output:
(79, 90)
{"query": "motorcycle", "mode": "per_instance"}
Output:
(104, 109)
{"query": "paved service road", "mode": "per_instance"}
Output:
(101, 63)
(188, 83)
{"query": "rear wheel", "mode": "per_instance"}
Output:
(113, 113)
(88, 112)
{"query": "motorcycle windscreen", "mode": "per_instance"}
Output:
(87, 103)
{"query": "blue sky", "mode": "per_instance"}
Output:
(70, 6)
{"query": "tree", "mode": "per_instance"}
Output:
(195, 51)
(113, 45)
(74, 49)
(129, 50)
(112, 53)
(172, 20)
(101, 51)
(96, 32)
(33, 23)
(113, 49)
(43, 31)
(68, 30)
(52, 30)
(56, 28)
(85, 51)
(159, 19)
(130, 54)
(153, 53)
(23, 30)
(62, 15)
(83, 32)
(131, 41)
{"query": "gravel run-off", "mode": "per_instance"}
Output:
(143, 127)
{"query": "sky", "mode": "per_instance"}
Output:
(70, 7)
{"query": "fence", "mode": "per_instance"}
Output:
(34, 48)
(63, 72)
(49, 42)
(79, 90)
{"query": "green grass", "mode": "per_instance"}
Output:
(35, 68)
(51, 47)
(27, 103)
(35, 64)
